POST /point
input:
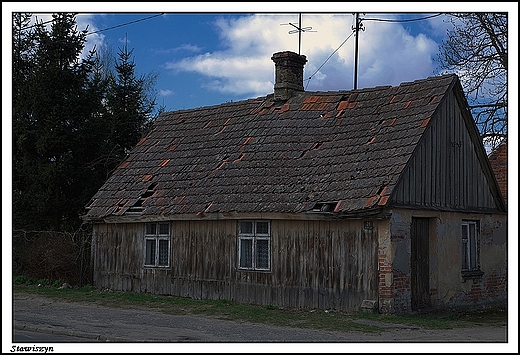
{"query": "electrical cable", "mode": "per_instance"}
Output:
(317, 70)
(368, 19)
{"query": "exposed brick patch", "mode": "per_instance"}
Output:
(498, 160)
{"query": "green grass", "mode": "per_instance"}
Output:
(273, 315)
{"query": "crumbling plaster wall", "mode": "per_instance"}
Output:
(448, 286)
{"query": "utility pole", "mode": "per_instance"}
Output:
(358, 27)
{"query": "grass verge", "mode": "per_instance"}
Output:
(272, 315)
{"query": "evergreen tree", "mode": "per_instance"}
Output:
(23, 54)
(74, 120)
(50, 108)
(129, 105)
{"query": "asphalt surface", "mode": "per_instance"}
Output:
(93, 323)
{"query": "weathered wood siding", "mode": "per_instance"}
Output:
(445, 171)
(314, 264)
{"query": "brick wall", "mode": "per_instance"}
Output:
(498, 160)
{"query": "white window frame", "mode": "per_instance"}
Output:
(470, 246)
(156, 238)
(255, 235)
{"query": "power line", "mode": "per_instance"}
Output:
(36, 24)
(126, 24)
(321, 66)
(408, 20)
(106, 29)
(357, 28)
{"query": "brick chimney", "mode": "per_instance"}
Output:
(288, 74)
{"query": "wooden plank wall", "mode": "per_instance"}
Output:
(314, 264)
(444, 171)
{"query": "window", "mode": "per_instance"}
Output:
(157, 245)
(470, 248)
(254, 245)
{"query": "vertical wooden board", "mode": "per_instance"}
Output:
(307, 297)
(290, 272)
(278, 259)
(293, 296)
(255, 293)
(451, 161)
(300, 244)
(465, 187)
(186, 251)
(182, 287)
(314, 263)
(318, 256)
(430, 154)
(441, 156)
(231, 250)
(200, 239)
(175, 286)
(416, 183)
(194, 252)
(166, 282)
(217, 243)
(206, 289)
(156, 282)
(460, 162)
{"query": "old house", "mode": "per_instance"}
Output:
(381, 197)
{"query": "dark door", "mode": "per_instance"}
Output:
(420, 263)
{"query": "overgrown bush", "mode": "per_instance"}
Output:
(55, 256)
(51, 256)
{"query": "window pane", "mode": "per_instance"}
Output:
(262, 228)
(150, 252)
(246, 227)
(246, 253)
(465, 262)
(262, 253)
(473, 245)
(464, 231)
(163, 252)
(150, 228)
(164, 229)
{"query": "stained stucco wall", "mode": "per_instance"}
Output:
(448, 286)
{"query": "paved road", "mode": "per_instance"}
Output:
(95, 323)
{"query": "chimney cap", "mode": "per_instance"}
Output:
(299, 58)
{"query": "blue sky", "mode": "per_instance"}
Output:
(208, 59)
(210, 53)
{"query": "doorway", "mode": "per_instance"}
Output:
(420, 263)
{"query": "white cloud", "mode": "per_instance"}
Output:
(166, 93)
(388, 54)
(185, 47)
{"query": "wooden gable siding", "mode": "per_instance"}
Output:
(445, 171)
(314, 264)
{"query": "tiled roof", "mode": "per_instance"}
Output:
(343, 147)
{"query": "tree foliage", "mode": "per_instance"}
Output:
(476, 49)
(51, 107)
(74, 120)
(130, 107)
